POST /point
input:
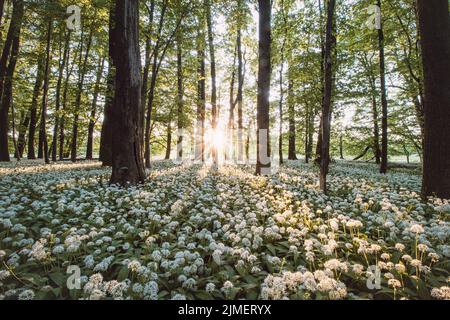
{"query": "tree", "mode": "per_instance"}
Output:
(264, 70)
(434, 27)
(384, 103)
(8, 62)
(212, 57)
(93, 115)
(43, 144)
(330, 41)
(127, 164)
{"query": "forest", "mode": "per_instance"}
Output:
(225, 149)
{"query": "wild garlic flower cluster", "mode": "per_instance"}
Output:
(191, 233)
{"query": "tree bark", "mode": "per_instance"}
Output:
(180, 95)
(292, 153)
(128, 167)
(263, 163)
(92, 117)
(201, 98)
(384, 103)
(43, 144)
(212, 57)
(62, 65)
(434, 28)
(7, 74)
(327, 96)
(82, 75)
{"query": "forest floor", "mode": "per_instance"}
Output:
(192, 233)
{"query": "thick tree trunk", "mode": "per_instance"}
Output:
(434, 27)
(7, 75)
(263, 164)
(384, 103)
(92, 117)
(128, 167)
(62, 65)
(327, 96)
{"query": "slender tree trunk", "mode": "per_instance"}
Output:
(231, 125)
(434, 28)
(128, 167)
(201, 93)
(240, 95)
(106, 133)
(62, 65)
(92, 118)
(83, 70)
(153, 79)
(148, 51)
(341, 147)
(180, 96)
(262, 117)
(292, 153)
(8, 74)
(384, 103)
(213, 75)
(34, 106)
(280, 103)
(327, 96)
(169, 140)
(43, 144)
(322, 77)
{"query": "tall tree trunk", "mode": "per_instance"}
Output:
(180, 96)
(128, 167)
(341, 147)
(263, 105)
(231, 125)
(280, 103)
(240, 95)
(43, 144)
(7, 75)
(82, 74)
(106, 133)
(63, 151)
(322, 77)
(153, 79)
(384, 103)
(201, 99)
(34, 105)
(148, 51)
(92, 117)
(292, 153)
(62, 65)
(212, 57)
(327, 96)
(434, 27)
